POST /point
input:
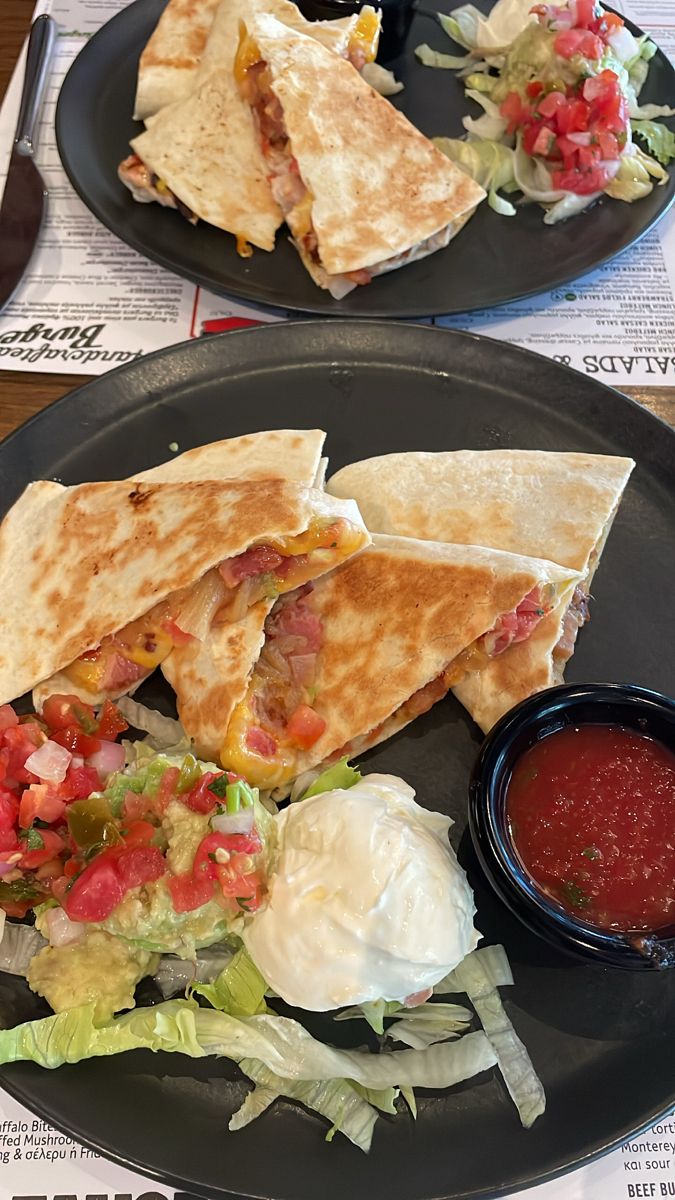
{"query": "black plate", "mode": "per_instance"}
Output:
(601, 1039)
(493, 260)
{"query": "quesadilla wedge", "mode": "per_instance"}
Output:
(550, 505)
(192, 35)
(293, 454)
(350, 660)
(200, 154)
(361, 189)
(145, 565)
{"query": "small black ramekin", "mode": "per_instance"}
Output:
(574, 704)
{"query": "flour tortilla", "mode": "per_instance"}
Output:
(379, 187)
(98, 556)
(192, 37)
(293, 454)
(201, 141)
(557, 506)
(393, 619)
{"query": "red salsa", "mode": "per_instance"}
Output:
(592, 815)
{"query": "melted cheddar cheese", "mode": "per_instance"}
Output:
(366, 35)
(236, 756)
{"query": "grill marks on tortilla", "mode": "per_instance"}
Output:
(404, 610)
(111, 558)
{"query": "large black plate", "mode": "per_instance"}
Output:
(493, 260)
(601, 1039)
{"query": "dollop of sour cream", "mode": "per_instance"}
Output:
(367, 900)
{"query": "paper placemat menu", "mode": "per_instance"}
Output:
(89, 303)
(39, 1163)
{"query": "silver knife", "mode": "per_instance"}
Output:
(24, 199)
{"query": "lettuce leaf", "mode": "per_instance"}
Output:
(338, 1100)
(428, 1024)
(283, 1045)
(71, 1036)
(446, 62)
(488, 162)
(339, 776)
(475, 976)
(659, 138)
(238, 990)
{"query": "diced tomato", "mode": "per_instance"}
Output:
(585, 13)
(578, 41)
(550, 104)
(20, 741)
(259, 560)
(513, 111)
(167, 787)
(139, 833)
(593, 180)
(140, 864)
(199, 798)
(608, 24)
(178, 636)
(233, 843)
(246, 887)
(544, 143)
(79, 783)
(135, 806)
(189, 892)
(8, 840)
(9, 809)
(110, 722)
(75, 740)
(63, 711)
(40, 802)
(96, 892)
(305, 727)
(7, 716)
(534, 89)
(260, 742)
(71, 867)
(53, 846)
(572, 117)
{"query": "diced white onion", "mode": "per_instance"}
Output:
(63, 931)
(49, 762)
(108, 759)
(239, 822)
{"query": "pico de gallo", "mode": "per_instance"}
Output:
(81, 829)
(560, 100)
(577, 123)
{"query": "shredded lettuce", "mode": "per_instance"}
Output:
(338, 1100)
(568, 206)
(18, 945)
(470, 28)
(428, 1024)
(283, 1045)
(489, 163)
(476, 978)
(384, 82)
(372, 1011)
(659, 138)
(238, 990)
(647, 112)
(255, 1104)
(164, 731)
(339, 777)
(434, 58)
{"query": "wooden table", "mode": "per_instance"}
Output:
(25, 393)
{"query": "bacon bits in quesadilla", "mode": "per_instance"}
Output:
(147, 565)
(549, 505)
(362, 190)
(352, 659)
